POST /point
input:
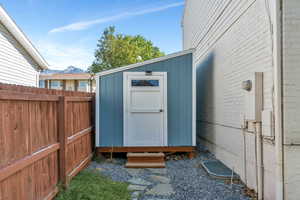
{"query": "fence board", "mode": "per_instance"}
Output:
(26, 161)
(25, 89)
(8, 95)
(79, 135)
(45, 138)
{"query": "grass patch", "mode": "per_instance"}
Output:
(90, 185)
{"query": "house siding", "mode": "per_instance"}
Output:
(233, 39)
(179, 71)
(16, 65)
(70, 85)
(291, 97)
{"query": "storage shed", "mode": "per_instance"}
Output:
(148, 106)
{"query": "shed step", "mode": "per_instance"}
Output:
(145, 160)
(145, 165)
(146, 157)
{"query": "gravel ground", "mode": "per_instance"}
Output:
(187, 179)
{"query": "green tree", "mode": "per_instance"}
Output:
(116, 50)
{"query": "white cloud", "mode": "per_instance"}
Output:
(87, 24)
(59, 56)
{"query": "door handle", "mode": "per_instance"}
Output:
(161, 110)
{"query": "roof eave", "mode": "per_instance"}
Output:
(118, 69)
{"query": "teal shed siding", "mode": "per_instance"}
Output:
(180, 70)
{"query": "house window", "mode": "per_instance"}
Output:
(83, 86)
(42, 84)
(151, 83)
(56, 85)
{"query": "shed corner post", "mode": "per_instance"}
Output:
(97, 112)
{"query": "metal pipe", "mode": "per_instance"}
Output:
(259, 164)
(245, 156)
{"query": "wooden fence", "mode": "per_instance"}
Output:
(46, 138)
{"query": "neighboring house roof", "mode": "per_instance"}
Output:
(70, 73)
(83, 76)
(118, 69)
(12, 27)
(68, 70)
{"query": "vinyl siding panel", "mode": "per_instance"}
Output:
(111, 110)
(16, 66)
(291, 97)
(179, 102)
(291, 71)
(233, 39)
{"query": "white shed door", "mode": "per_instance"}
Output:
(145, 109)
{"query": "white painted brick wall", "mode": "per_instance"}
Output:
(291, 71)
(291, 97)
(243, 49)
(233, 39)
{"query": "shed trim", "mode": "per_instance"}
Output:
(194, 106)
(13, 28)
(97, 113)
(118, 69)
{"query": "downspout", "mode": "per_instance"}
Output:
(259, 164)
(278, 65)
(38, 78)
(245, 153)
(255, 125)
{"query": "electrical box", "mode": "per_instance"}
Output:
(253, 94)
(251, 125)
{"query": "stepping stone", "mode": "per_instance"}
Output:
(158, 170)
(139, 181)
(157, 199)
(160, 179)
(133, 172)
(136, 188)
(217, 169)
(135, 195)
(161, 189)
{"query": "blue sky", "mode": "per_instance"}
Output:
(66, 31)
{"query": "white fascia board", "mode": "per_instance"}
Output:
(183, 14)
(12, 27)
(118, 69)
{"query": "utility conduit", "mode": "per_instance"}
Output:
(259, 164)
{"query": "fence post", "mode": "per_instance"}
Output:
(62, 108)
